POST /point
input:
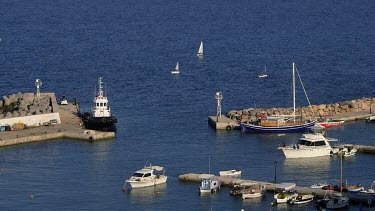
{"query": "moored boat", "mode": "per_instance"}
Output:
(370, 191)
(302, 199)
(370, 119)
(309, 145)
(331, 123)
(278, 124)
(100, 117)
(209, 184)
(318, 185)
(231, 173)
(251, 190)
(285, 192)
(147, 176)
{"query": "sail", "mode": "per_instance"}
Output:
(200, 51)
(177, 67)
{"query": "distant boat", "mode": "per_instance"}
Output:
(200, 51)
(231, 173)
(263, 75)
(278, 124)
(176, 70)
(148, 176)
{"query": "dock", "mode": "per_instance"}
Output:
(271, 187)
(223, 123)
(70, 127)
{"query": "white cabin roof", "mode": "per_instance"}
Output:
(285, 185)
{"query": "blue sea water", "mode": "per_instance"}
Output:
(134, 45)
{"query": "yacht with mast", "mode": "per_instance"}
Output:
(200, 50)
(100, 117)
(279, 123)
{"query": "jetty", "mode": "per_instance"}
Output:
(352, 110)
(61, 122)
(271, 187)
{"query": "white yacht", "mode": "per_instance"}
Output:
(309, 145)
(148, 176)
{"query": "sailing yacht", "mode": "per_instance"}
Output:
(263, 75)
(280, 123)
(200, 50)
(176, 70)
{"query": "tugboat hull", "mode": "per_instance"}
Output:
(99, 123)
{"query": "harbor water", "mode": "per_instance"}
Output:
(162, 118)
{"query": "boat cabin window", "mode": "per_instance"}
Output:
(320, 143)
(148, 175)
(302, 142)
(105, 104)
(101, 104)
(309, 143)
(97, 104)
(137, 175)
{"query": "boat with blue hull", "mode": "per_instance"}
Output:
(253, 128)
(281, 123)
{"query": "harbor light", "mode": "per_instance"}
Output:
(38, 84)
(218, 97)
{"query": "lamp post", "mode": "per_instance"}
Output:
(275, 171)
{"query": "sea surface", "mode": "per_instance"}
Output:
(162, 118)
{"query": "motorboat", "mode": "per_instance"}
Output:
(285, 192)
(231, 173)
(147, 176)
(63, 101)
(309, 145)
(302, 199)
(370, 119)
(370, 191)
(347, 150)
(331, 123)
(251, 190)
(209, 183)
(318, 185)
(355, 188)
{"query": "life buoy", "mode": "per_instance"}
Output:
(228, 127)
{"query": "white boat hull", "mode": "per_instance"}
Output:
(231, 173)
(306, 153)
(284, 198)
(141, 184)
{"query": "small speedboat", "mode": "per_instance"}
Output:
(231, 173)
(370, 119)
(302, 199)
(318, 185)
(355, 188)
(285, 193)
(370, 191)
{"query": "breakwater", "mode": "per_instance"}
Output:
(347, 110)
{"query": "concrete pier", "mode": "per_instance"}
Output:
(223, 123)
(270, 187)
(70, 127)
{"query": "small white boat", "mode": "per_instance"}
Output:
(209, 184)
(347, 150)
(263, 75)
(309, 145)
(148, 176)
(370, 191)
(176, 70)
(231, 173)
(252, 190)
(370, 119)
(64, 101)
(200, 50)
(318, 185)
(355, 188)
(302, 199)
(285, 193)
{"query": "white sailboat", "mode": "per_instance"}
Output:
(200, 51)
(176, 70)
(263, 75)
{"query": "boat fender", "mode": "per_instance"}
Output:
(91, 138)
(331, 152)
(228, 127)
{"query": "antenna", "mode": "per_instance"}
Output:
(38, 84)
(218, 97)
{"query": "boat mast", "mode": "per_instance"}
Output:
(341, 173)
(100, 87)
(294, 96)
(209, 164)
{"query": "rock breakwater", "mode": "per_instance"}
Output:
(322, 111)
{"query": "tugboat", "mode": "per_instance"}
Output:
(100, 117)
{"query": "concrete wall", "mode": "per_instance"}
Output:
(28, 139)
(34, 120)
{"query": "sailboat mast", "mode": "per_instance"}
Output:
(209, 164)
(294, 95)
(341, 173)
